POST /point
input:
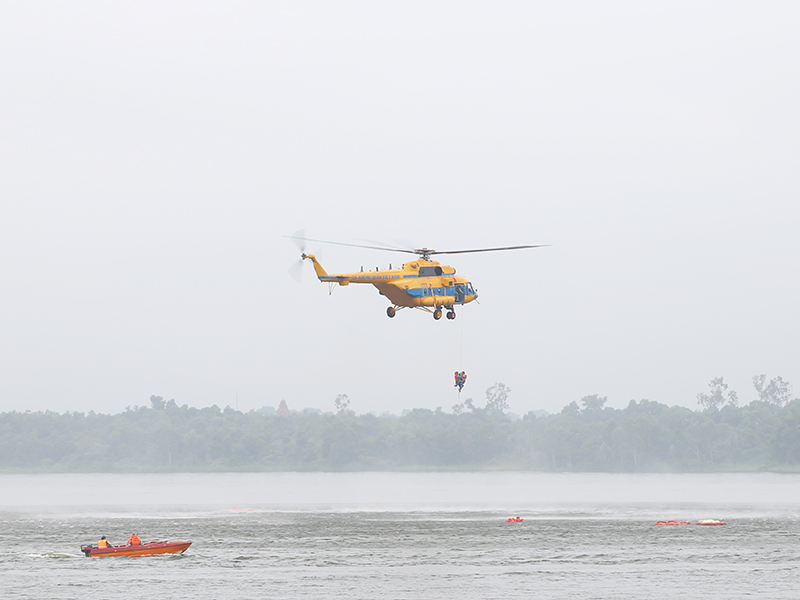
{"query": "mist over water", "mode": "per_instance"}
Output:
(405, 535)
(400, 491)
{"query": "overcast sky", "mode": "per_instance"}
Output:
(153, 154)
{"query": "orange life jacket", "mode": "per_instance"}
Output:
(134, 540)
(102, 544)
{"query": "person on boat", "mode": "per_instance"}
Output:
(134, 540)
(104, 543)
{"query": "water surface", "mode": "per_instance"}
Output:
(404, 535)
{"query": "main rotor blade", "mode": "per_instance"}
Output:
(394, 246)
(486, 249)
(296, 237)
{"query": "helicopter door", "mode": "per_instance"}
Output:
(459, 293)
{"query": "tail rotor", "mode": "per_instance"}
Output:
(296, 269)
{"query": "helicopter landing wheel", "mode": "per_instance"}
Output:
(437, 314)
(391, 312)
(451, 314)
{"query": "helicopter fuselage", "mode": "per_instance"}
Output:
(420, 283)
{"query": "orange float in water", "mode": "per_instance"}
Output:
(673, 522)
(514, 520)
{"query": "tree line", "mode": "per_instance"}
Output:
(583, 436)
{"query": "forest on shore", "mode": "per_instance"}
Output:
(645, 436)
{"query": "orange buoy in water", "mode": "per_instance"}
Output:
(514, 520)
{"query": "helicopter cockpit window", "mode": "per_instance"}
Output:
(430, 271)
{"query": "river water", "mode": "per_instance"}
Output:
(404, 535)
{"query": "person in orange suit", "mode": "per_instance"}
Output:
(134, 540)
(103, 543)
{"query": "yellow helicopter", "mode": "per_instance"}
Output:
(422, 283)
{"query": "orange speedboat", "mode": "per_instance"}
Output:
(171, 547)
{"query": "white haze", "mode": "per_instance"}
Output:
(153, 154)
(580, 495)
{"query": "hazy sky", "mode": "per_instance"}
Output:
(153, 154)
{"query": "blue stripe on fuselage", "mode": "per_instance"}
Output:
(436, 291)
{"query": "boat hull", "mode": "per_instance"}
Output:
(143, 550)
